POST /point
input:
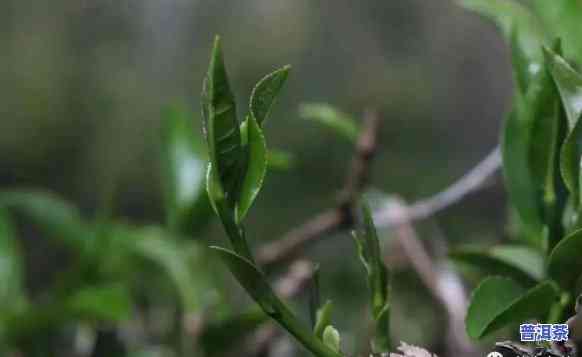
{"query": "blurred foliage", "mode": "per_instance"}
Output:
(541, 161)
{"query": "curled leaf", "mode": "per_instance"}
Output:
(331, 338)
(569, 83)
(323, 319)
(265, 93)
(221, 126)
(256, 170)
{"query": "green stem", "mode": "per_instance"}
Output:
(302, 333)
(235, 233)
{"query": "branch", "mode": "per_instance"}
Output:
(443, 283)
(342, 217)
(339, 217)
(469, 183)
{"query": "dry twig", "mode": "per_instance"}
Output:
(340, 217)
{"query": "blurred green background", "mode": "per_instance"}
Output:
(83, 84)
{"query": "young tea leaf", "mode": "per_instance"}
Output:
(569, 83)
(331, 338)
(322, 319)
(221, 127)
(256, 168)
(498, 302)
(378, 280)
(265, 93)
(515, 146)
(255, 284)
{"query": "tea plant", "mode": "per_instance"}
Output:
(537, 275)
(236, 171)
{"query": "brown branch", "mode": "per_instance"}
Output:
(291, 243)
(342, 217)
(467, 184)
(335, 219)
(441, 281)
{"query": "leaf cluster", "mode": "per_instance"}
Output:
(534, 277)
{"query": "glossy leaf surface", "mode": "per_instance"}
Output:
(221, 126)
(498, 302)
(265, 94)
(569, 83)
(256, 170)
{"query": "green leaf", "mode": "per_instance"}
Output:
(265, 93)
(11, 268)
(174, 260)
(378, 280)
(331, 338)
(54, 216)
(509, 15)
(251, 278)
(524, 194)
(184, 173)
(487, 263)
(323, 319)
(280, 160)
(498, 302)
(548, 132)
(221, 126)
(525, 258)
(256, 169)
(569, 83)
(124, 251)
(104, 303)
(544, 109)
(255, 284)
(329, 116)
(565, 260)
